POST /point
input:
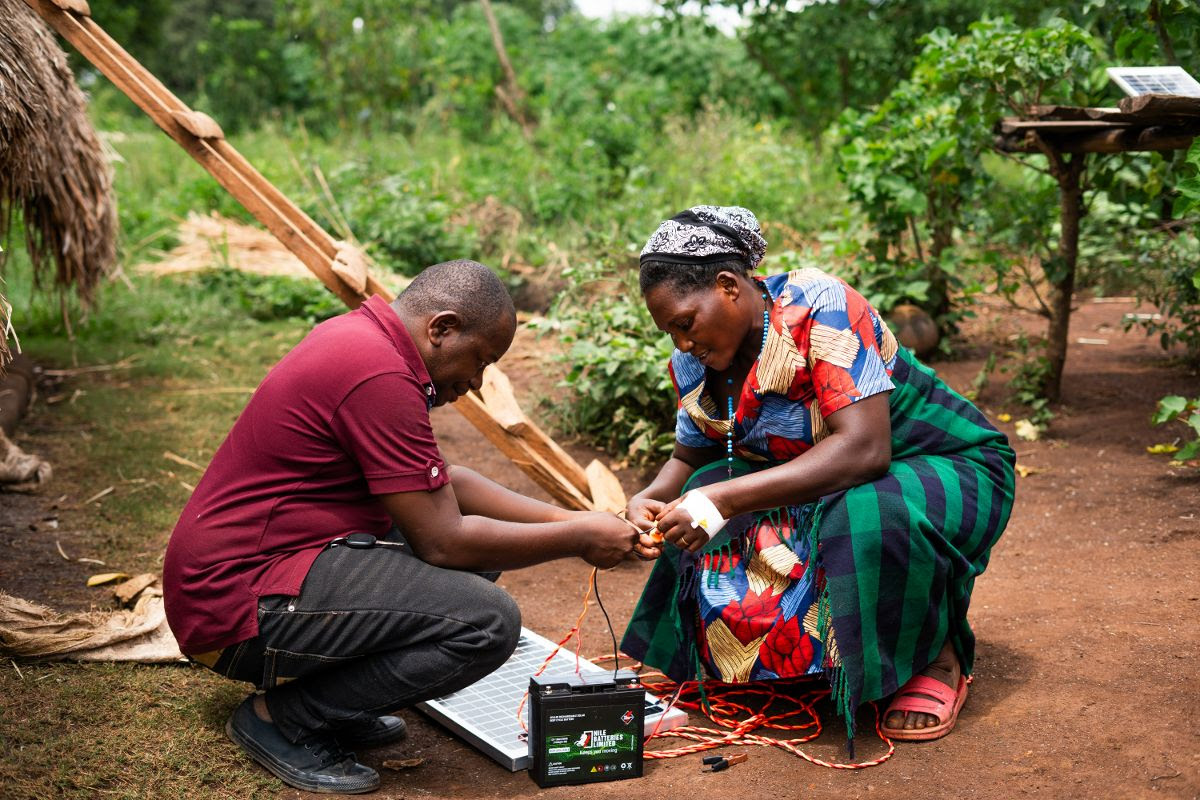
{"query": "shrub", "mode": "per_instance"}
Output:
(268, 297)
(619, 390)
(1174, 408)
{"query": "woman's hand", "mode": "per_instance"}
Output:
(675, 524)
(608, 539)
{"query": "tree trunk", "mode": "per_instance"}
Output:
(510, 94)
(1160, 29)
(1062, 281)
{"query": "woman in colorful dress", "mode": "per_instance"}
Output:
(829, 502)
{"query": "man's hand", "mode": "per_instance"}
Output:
(642, 511)
(608, 539)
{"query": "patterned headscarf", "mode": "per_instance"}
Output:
(704, 234)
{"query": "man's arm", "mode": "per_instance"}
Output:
(479, 495)
(441, 535)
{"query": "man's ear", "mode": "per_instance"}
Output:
(443, 324)
(728, 284)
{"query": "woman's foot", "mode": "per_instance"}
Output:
(944, 669)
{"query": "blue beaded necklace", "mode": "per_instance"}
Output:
(729, 398)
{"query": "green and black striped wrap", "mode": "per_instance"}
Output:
(900, 554)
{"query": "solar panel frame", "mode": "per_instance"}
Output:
(1136, 81)
(484, 714)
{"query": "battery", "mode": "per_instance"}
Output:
(585, 728)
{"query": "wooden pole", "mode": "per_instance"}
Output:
(509, 93)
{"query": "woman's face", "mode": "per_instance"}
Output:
(708, 323)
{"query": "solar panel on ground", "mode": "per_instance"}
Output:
(485, 713)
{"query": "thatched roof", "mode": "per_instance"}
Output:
(52, 171)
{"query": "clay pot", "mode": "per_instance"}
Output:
(915, 329)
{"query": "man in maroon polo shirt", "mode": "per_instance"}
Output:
(329, 554)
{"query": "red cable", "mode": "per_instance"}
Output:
(738, 709)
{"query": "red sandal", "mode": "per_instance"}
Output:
(926, 695)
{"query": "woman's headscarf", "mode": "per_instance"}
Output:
(704, 234)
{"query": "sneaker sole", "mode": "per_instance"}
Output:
(290, 776)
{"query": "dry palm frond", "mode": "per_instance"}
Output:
(52, 168)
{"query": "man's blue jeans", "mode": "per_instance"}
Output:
(372, 631)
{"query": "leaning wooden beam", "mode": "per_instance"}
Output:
(338, 265)
(203, 140)
(543, 472)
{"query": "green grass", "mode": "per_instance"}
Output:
(184, 349)
(115, 730)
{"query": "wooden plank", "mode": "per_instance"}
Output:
(198, 124)
(1111, 115)
(497, 393)
(1049, 113)
(351, 266)
(518, 451)
(549, 451)
(1117, 140)
(606, 490)
(1012, 125)
(501, 402)
(80, 7)
(1161, 104)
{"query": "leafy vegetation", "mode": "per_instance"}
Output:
(872, 154)
(1175, 408)
(619, 391)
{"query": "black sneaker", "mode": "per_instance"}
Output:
(375, 732)
(316, 764)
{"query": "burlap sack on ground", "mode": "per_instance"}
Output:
(32, 631)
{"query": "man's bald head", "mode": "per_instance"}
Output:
(466, 287)
(461, 319)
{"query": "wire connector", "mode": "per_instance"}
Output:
(721, 763)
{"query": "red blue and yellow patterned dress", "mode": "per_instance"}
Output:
(895, 558)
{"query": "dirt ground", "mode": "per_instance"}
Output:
(1086, 681)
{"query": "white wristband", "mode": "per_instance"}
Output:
(704, 514)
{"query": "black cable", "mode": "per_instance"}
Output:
(611, 633)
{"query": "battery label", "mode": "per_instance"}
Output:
(590, 744)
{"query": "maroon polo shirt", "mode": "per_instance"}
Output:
(342, 418)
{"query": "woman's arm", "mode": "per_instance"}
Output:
(858, 449)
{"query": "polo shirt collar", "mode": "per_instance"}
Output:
(379, 310)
